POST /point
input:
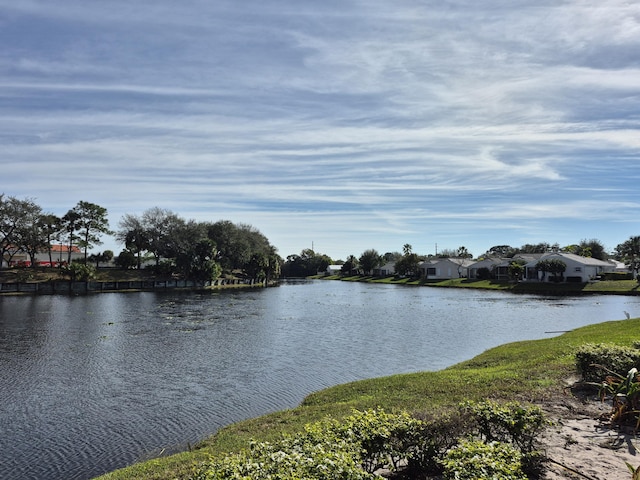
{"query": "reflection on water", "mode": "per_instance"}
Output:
(93, 383)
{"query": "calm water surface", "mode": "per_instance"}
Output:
(93, 383)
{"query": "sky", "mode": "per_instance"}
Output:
(338, 125)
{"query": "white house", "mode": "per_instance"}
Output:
(385, 270)
(333, 269)
(619, 267)
(490, 263)
(445, 268)
(499, 266)
(579, 269)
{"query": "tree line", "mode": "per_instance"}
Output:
(26, 228)
(195, 250)
(206, 250)
(173, 245)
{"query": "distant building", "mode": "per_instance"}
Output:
(59, 255)
(445, 268)
(333, 269)
(385, 270)
(579, 269)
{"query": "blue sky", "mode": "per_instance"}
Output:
(347, 125)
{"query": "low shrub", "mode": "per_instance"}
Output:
(293, 457)
(595, 361)
(79, 272)
(477, 460)
(507, 423)
(365, 441)
(386, 440)
(351, 450)
(511, 423)
(616, 276)
(437, 435)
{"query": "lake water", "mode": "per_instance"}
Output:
(93, 383)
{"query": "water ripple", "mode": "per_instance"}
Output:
(96, 382)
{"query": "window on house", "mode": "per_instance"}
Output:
(431, 271)
(578, 269)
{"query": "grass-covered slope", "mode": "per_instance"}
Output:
(530, 371)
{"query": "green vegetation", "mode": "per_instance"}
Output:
(603, 365)
(365, 442)
(530, 371)
(306, 264)
(80, 272)
(629, 253)
(199, 251)
(553, 266)
(625, 394)
(195, 250)
(476, 460)
(608, 357)
(350, 450)
(635, 472)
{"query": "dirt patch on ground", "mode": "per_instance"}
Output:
(583, 444)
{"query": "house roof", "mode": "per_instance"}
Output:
(575, 258)
(528, 257)
(464, 262)
(387, 266)
(64, 249)
(585, 260)
(488, 261)
(459, 261)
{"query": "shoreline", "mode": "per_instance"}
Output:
(114, 281)
(495, 373)
(600, 287)
(80, 288)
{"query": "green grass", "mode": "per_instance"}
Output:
(526, 371)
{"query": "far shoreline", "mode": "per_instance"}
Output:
(48, 281)
(599, 287)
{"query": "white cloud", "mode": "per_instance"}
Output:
(351, 123)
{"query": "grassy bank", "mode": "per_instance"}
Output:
(530, 371)
(605, 287)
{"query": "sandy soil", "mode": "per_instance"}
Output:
(583, 444)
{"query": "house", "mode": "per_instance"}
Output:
(59, 255)
(502, 270)
(333, 270)
(385, 270)
(579, 269)
(619, 267)
(499, 266)
(474, 270)
(445, 268)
